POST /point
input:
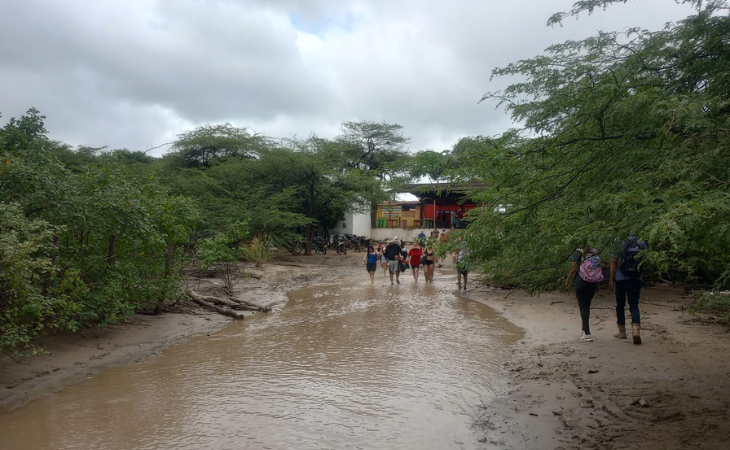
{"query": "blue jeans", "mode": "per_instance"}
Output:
(630, 289)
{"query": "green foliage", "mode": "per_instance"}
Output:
(208, 144)
(82, 247)
(378, 148)
(431, 164)
(222, 251)
(714, 303)
(628, 133)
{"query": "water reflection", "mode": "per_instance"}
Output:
(344, 365)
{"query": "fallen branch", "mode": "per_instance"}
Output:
(251, 306)
(199, 299)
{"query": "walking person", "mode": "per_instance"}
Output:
(429, 263)
(626, 281)
(394, 257)
(585, 272)
(462, 267)
(383, 259)
(370, 260)
(414, 259)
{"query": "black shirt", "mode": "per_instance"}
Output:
(392, 250)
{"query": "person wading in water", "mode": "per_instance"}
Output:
(393, 255)
(429, 262)
(371, 262)
(414, 259)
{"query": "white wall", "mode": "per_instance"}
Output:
(382, 234)
(357, 223)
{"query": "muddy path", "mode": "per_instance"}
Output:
(344, 364)
(671, 392)
(550, 392)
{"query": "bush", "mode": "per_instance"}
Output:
(714, 303)
(258, 251)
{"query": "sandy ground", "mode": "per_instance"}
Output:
(556, 392)
(559, 393)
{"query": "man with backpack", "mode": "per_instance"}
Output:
(393, 253)
(626, 280)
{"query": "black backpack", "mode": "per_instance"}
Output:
(630, 261)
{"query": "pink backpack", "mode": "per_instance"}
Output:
(590, 268)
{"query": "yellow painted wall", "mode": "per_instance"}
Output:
(406, 218)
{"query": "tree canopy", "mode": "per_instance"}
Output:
(623, 132)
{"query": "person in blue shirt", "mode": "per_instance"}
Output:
(421, 239)
(626, 281)
(370, 260)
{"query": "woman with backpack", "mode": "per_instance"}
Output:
(586, 272)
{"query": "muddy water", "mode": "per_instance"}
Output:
(343, 365)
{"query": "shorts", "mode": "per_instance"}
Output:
(393, 266)
(383, 259)
(427, 263)
(372, 267)
(462, 268)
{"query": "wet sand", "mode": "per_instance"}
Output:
(671, 392)
(555, 391)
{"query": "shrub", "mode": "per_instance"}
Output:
(258, 250)
(715, 303)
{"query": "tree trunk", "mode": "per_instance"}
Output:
(110, 254)
(47, 281)
(230, 302)
(309, 234)
(225, 311)
(168, 271)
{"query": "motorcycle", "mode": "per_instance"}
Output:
(319, 245)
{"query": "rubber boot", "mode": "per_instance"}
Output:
(637, 333)
(621, 332)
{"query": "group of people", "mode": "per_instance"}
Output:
(395, 259)
(451, 219)
(625, 280)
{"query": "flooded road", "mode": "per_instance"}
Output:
(343, 365)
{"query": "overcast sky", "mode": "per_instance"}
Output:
(135, 73)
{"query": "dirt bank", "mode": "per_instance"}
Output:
(559, 393)
(70, 358)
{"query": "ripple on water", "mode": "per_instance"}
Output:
(348, 364)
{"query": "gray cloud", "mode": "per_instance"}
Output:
(136, 73)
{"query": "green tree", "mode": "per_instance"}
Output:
(204, 145)
(375, 147)
(629, 134)
(83, 247)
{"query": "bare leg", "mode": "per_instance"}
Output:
(391, 277)
(372, 277)
(415, 273)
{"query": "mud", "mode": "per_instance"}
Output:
(671, 392)
(344, 364)
(70, 358)
(552, 393)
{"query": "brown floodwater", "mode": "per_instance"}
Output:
(343, 365)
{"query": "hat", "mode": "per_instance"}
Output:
(395, 237)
